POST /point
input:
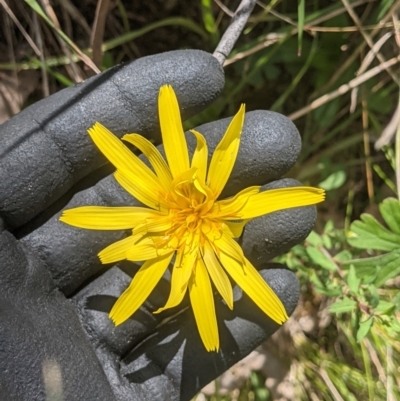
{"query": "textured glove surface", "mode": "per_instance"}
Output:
(55, 335)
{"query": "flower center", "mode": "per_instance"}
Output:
(189, 201)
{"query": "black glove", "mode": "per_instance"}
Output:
(56, 339)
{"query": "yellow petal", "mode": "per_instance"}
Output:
(228, 208)
(200, 155)
(217, 274)
(279, 199)
(173, 137)
(225, 154)
(154, 226)
(236, 228)
(250, 281)
(181, 272)
(202, 300)
(123, 159)
(222, 241)
(153, 156)
(205, 196)
(117, 251)
(181, 193)
(107, 218)
(137, 188)
(139, 289)
(146, 249)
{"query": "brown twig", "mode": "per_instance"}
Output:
(96, 38)
(367, 151)
(234, 30)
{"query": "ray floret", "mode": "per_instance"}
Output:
(185, 221)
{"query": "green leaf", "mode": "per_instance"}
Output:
(377, 269)
(326, 239)
(324, 115)
(343, 256)
(396, 300)
(329, 292)
(383, 8)
(329, 226)
(261, 394)
(315, 279)
(343, 306)
(390, 211)
(364, 328)
(370, 234)
(321, 289)
(320, 259)
(384, 307)
(271, 71)
(334, 181)
(395, 324)
(209, 21)
(301, 14)
(365, 268)
(314, 239)
(374, 296)
(257, 380)
(352, 280)
(389, 267)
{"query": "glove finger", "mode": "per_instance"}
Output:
(269, 148)
(173, 357)
(45, 149)
(95, 301)
(44, 349)
(276, 233)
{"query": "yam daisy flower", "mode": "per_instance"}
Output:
(185, 223)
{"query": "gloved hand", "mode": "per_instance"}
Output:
(56, 339)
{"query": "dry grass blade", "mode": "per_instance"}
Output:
(349, 28)
(375, 359)
(224, 8)
(272, 38)
(344, 66)
(72, 68)
(365, 64)
(390, 130)
(38, 34)
(396, 28)
(96, 39)
(330, 385)
(367, 151)
(75, 14)
(20, 27)
(35, 6)
(345, 88)
(367, 38)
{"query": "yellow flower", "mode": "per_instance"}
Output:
(185, 220)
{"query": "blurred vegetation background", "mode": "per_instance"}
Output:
(332, 66)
